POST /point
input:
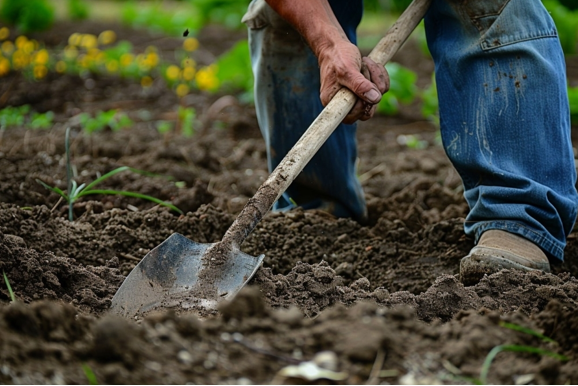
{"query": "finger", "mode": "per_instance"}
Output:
(357, 112)
(362, 87)
(368, 112)
(377, 74)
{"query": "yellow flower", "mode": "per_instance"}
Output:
(95, 54)
(188, 62)
(75, 39)
(20, 41)
(60, 67)
(146, 81)
(88, 41)
(152, 59)
(182, 90)
(206, 78)
(112, 66)
(4, 33)
(126, 59)
(41, 57)
(83, 61)
(8, 47)
(107, 37)
(173, 72)
(4, 66)
(40, 71)
(70, 52)
(190, 44)
(20, 59)
(189, 73)
(28, 47)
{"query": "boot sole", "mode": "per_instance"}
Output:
(483, 261)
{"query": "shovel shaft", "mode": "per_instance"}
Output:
(316, 135)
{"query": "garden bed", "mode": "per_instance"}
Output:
(384, 297)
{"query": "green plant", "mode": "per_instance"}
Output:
(187, 117)
(41, 121)
(402, 89)
(77, 9)
(515, 348)
(13, 116)
(29, 15)
(573, 98)
(75, 192)
(111, 118)
(12, 297)
(430, 104)
(566, 23)
(89, 374)
(164, 127)
(234, 68)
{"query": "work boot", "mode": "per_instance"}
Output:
(499, 250)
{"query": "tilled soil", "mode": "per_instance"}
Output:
(378, 303)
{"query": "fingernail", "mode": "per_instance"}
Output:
(373, 95)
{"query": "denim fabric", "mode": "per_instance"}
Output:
(503, 110)
(504, 116)
(287, 100)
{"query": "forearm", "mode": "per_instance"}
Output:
(314, 20)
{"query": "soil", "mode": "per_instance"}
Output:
(378, 303)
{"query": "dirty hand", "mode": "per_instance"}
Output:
(341, 65)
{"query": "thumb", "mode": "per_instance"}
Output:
(363, 88)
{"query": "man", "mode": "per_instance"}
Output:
(503, 110)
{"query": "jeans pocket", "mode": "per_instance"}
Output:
(504, 22)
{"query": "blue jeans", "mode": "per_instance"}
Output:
(503, 110)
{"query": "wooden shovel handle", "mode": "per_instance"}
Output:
(316, 135)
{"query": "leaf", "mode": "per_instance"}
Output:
(54, 189)
(133, 194)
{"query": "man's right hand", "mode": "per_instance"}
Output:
(340, 61)
(341, 65)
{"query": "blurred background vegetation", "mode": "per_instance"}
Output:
(229, 73)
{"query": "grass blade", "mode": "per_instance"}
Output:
(133, 194)
(9, 287)
(515, 348)
(102, 178)
(89, 374)
(54, 189)
(526, 330)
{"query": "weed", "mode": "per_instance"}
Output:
(515, 348)
(75, 192)
(12, 297)
(103, 119)
(89, 374)
(187, 117)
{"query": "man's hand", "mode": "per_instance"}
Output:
(341, 65)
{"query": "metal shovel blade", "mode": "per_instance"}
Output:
(171, 271)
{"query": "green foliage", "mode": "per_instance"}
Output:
(90, 376)
(402, 89)
(573, 98)
(187, 117)
(77, 9)
(224, 12)
(112, 118)
(12, 297)
(566, 23)
(18, 116)
(234, 68)
(13, 116)
(430, 103)
(29, 15)
(41, 121)
(153, 16)
(164, 127)
(570, 4)
(75, 191)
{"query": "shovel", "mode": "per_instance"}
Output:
(180, 273)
